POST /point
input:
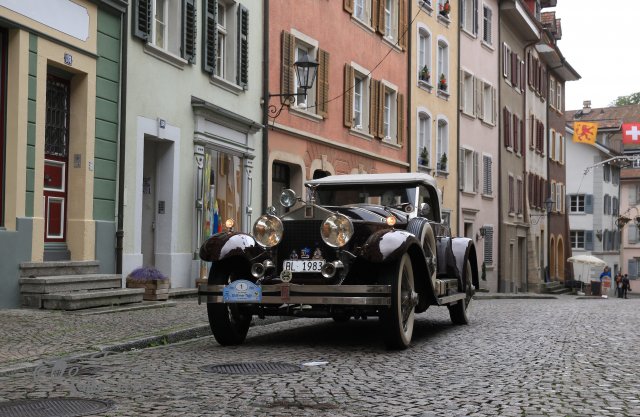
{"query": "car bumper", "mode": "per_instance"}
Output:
(359, 295)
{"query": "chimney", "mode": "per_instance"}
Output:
(586, 106)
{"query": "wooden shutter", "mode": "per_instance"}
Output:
(479, 97)
(349, 80)
(588, 203)
(348, 5)
(243, 47)
(461, 169)
(476, 176)
(287, 79)
(475, 17)
(505, 126)
(403, 33)
(209, 36)
(375, 4)
(461, 89)
(488, 245)
(380, 109)
(381, 18)
(373, 107)
(323, 83)
(400, 110)
(514, 131)
(189, 30)
(142, 19)
(523, 141)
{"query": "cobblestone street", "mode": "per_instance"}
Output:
(519, 357)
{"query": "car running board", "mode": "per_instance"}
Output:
(451, 298)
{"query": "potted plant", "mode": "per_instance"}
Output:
(155, 283)
(424, 156)
(445, 8)
(442, 83)
(443, 162)
(424, 74)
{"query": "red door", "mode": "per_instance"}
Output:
(56, 158)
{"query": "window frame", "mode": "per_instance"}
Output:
(424, 135)
(442, 143)
(575, 236)
(580, 203)
(487, 25)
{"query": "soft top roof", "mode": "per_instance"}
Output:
(391, 178)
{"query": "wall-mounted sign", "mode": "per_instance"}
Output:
(68, 59)
(62, 15)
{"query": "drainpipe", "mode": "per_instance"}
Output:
(500, 188)
(121, 145)
(457, 184)
(265, 105)
(409, 86)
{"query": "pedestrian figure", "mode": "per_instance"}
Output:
(615, 283)
(625, 285)
(619, 285)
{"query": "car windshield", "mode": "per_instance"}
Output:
(380, 194)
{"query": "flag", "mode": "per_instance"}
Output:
(631, 133)
(585, 132)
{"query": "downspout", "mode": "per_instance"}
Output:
(409, 85)
(457, 184)
(500, 144)
(265, 105)
(122, 143)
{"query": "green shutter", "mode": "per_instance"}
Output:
(243, 47)
(189, 30)
(142, 19)
(209, 35)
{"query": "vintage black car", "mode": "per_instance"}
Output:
(358, 246)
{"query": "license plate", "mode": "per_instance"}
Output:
(314, 265)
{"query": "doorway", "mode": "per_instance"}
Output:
(148, 223)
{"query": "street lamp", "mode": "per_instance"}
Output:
(548, 205)
(306, 69)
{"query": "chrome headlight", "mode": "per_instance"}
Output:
(337, 230)
(288, 198)
(267, 230)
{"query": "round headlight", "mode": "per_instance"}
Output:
(288, 198)
(337, 230)
(267, 230)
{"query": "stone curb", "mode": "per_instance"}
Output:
(514, 297)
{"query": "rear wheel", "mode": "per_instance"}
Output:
(459, 312)
(229, 322)
(398, 319)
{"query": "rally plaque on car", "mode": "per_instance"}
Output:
(242, 291)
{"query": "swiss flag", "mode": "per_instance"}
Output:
(631, 133)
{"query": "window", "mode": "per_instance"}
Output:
(426, 4)
(424, 139)
(387, 114)
(577, 203)
(295, 46)
(362, 10)
(559, 197)
(225, 170)
(606, 172)
(388, 19)
(488, 245)
(559, 105)
(358, 101)
(487, 175)
(487, 23)
(512, 198)
(443, 64)
(488, 103)
(358, 95)
(577, 239)
(424, 56)
(225, 39)
(467, 102)
(632, 233)
(519, 195)
(552, 144)
(552, 92)
(469, 16)
(442, 145)
(468, 171)
(169, 26)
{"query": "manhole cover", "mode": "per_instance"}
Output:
(253, 368)
(54, 407)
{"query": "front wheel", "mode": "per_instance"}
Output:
(229, 322)
(459, 312)
(398, 319)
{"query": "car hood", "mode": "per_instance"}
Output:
(371, 213)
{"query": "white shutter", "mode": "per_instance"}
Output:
(476, 176)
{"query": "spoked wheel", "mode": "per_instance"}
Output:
(397, 320)
(459, 312)
(229, 322)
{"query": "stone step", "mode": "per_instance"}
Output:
(79, 300)
(56, 268)
(66, 283)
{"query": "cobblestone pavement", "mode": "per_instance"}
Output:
(563, 357)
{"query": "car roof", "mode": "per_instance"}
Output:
(390, 178)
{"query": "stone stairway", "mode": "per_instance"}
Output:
(554, 287)
(72, 285)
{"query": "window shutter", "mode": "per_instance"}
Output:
(494, 110)
(380, 20)
(209, 36)
(288, 58)
(380, 109)
(348, 5)
(588, 239)
(403, 33)
(375, 9)
(323, 83)
(189, 30)
(476, 176)
(632, 233)
(588, 204)
(243, 46)
(633, 195)
(373, 107)
(463, 92)
(461, 169)
(348, 96)
(475, 17)
(514, 131)
(479, 98)
(505, 126)
(488, 245)
(142, 19)
(632, 267)
(401, 127)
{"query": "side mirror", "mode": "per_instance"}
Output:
(288, 198)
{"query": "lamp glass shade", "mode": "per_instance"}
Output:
(548, 203)
(306, 71)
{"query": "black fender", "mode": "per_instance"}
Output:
(387, 245)
(464, 249)
(225, 245)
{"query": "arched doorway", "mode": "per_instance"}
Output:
(561, 259)
(552, 259)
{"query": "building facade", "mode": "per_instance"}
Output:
(193, 131)
(479, 132)
(59, 131)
